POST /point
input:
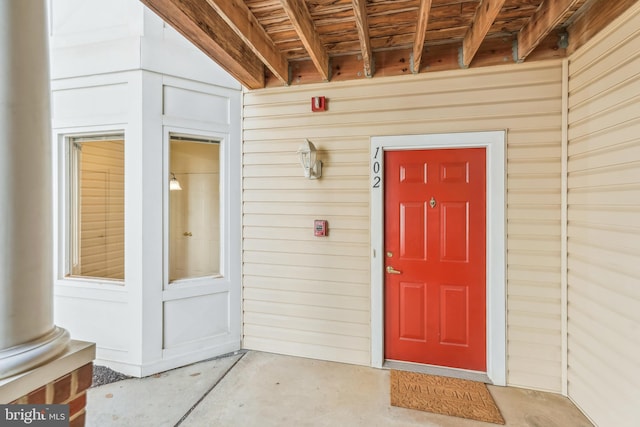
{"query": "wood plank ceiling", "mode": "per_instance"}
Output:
(266, 43)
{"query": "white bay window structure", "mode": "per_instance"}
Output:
(135, 105)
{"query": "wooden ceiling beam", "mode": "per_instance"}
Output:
(202, 26)
(544, 20)
(485, 15)
(421, 33)
(362, 24)
(592, 18)
(303, 23)
(238, 16)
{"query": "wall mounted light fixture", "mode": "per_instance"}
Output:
(309, 160)
(174, 184)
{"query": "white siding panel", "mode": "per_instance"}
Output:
(309, 299)
(309, 260)
(603, 228)
(312, 286)
(314, 351)
(308, 337)
(301, 247)
(306, 234)
(311, 325)
(341, 196)
(295, 311)
(304, 295)
(302, 273)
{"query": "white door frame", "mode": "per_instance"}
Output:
(494, 143)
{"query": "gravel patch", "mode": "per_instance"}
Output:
(103, 375)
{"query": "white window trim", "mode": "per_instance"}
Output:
(62, 205)
(495, 144)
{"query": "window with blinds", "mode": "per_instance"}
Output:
(96, 211)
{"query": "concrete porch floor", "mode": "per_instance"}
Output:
(262, 389)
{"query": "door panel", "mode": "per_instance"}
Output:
(454, 231)
(413, 231)
(435, 308)
(413, 297)
(454, 320)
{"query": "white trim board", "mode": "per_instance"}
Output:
(495, 144)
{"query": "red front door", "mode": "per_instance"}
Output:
(435, 301)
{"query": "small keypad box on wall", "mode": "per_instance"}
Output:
(320, 228)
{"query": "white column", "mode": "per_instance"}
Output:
(28, 337)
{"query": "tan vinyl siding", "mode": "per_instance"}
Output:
(604, 227)
(310, 296)
(304, 295)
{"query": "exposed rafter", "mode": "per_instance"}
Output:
(198, 22)
(238, 16)
(544, 20)
(301, 19)
(362, 23)
(595, 15)
(270, 43)
(421, 33)
(485, 16)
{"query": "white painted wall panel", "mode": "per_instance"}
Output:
(94, 37)
(105, 318)
(195, 319)
(188, 104)
(109, 20)
(85, 106)
(303, 295)
(164, 50)
(603, 228)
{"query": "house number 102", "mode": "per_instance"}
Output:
(375, 167)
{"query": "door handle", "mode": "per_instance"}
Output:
(392, 270)
(187, 234)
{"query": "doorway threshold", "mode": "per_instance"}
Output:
(438, 370)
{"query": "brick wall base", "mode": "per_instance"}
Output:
(70, 389)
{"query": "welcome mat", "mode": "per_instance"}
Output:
(444, 395)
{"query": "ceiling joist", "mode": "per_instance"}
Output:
(592, 18)
(268, 43)
(421, 33)
(238, 16)
(544, 20)
(198, 22)
(485, 16)
(301, 19)
(362, 24)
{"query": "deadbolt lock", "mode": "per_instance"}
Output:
(432, 202)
